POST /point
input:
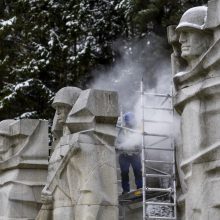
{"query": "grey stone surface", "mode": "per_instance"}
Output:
(23, 167)
(82, 181)
(133, 211)
(197, 82)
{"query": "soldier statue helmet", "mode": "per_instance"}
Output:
(193, 37)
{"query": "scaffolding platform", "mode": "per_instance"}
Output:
(132, 197)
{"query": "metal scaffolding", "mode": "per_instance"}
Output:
(164, 194)
(146, 163)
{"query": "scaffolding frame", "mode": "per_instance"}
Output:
(159, 192)
(172, 189)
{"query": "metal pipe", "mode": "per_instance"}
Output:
(156, 135)
(161, 218)
(158, 108)
(174, 165)
(158, 148)
(156, 94)
(158, 190)
(158, 175)
(161, 203)
(143, 153)
(156, 121)
(159, 161)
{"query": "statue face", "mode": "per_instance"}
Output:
(62, 112)
(194, 43)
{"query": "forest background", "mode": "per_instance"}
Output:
(48, 44)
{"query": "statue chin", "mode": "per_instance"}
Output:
(191, 60)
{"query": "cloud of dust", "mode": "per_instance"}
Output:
(147, 59)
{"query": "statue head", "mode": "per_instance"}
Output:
(63, 101)
(194, 39)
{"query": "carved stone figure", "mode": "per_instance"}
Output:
(83, 184)
(196, 72)
(63, 102)
(194, 39)
(23, 167)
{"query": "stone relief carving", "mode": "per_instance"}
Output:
(23, 167)
(82, 182)
(195, 67)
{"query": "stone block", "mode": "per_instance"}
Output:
(23, 167)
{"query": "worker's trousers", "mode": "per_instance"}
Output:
(125, 161)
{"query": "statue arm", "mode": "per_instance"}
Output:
(73, 149)
(46, 196)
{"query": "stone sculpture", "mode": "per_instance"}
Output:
(196, 73)
(82, 183)
(23, 167)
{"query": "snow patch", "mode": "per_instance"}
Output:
(27, 114)
(23, 84)
(8, 22)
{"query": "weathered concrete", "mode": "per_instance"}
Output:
(82, 183)
(23, 167)
(197, 81)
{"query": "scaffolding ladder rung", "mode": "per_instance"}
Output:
(158, 190)
(159, 161)
(161, 218)
(155, 135)
(158, 108)
(161, 203)
(158, 175)
(156, 121)
(159, 148)
(157, 94)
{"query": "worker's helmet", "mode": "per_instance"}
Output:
(129, 118)
(66, 96)
(194, 18)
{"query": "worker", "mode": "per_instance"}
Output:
(128, 145)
